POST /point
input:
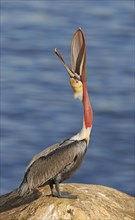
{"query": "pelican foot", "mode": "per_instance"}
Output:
(66, 195)
(56, 192)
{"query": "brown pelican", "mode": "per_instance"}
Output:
(58, 162)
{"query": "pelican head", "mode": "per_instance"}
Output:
(77, 72)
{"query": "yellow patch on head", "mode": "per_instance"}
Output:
(76, 85)
(77, 88)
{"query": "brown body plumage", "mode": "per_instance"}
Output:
(53, 165)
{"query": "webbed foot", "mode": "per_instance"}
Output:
(58, 194)
(65, 195)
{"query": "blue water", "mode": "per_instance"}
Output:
(37, 105)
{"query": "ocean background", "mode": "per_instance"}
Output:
(37, 104)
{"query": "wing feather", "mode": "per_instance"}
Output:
(46, 165)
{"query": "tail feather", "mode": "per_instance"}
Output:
(23, 188)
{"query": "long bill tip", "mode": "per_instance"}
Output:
(62, 60)
(55, 50)
(59, 55)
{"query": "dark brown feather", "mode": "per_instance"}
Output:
(57, 161)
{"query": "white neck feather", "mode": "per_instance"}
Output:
(78, 95)
(83, 134)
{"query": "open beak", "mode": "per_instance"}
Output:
(78, 57)
(70, 72)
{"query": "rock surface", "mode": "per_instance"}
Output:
(93, 202)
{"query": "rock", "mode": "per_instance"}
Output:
(93, 202)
